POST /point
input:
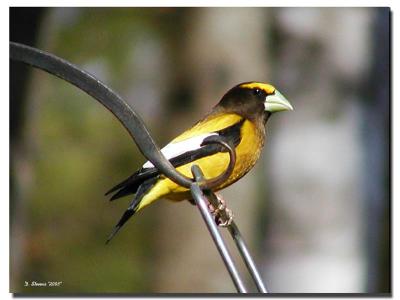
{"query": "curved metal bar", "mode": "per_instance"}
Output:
(220, 179)
(201, 203)
(136, 128)
(102, 93)
(119, 108)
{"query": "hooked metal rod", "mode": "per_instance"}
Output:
(112, 101)
(141, 136)
(201, 203)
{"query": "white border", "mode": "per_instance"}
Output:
(4, 119)
(188, 3)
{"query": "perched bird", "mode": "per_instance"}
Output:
(240, 118)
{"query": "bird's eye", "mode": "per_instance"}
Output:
(257, 92)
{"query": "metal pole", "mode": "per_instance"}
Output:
(245, 254)
(201, 203)
(240, 244)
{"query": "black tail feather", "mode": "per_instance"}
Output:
(122, 184)
(132, 183)
(124, 191)
(125, 217)
(142, 190)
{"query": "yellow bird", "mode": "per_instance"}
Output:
(239, 117)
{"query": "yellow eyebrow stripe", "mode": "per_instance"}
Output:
(269, 89)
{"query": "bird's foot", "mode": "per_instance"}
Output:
(228, 220)
(222, 214)
(211, 209)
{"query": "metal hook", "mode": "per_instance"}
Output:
(136, 128)
(220, 179)
(106, 96)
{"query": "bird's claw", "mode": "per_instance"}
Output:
(228, 221)
(216, 212)
(212, 210)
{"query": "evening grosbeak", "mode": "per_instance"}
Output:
(239, 118)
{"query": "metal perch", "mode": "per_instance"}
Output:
(200, 188)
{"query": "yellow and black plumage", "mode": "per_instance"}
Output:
(240, 118)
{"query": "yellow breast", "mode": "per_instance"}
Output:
(247, 153)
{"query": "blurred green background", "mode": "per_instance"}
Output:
(314, 211)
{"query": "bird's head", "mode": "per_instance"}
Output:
(254, 98)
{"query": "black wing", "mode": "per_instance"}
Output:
(132, 183)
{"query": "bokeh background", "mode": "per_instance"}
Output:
(315, 211)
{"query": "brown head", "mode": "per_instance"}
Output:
(254, 101)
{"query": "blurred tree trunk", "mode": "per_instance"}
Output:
(314, 213)
(24, 28)
(376, 114)
(213, 58)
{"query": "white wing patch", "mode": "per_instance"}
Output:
(174, 149)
